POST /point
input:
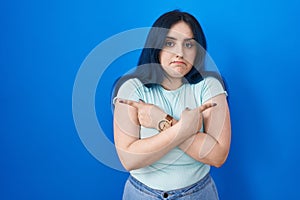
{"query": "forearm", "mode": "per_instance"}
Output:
(211, 147)
(143, 152)
(205, 148)
(136, 153)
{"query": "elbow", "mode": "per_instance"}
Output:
(218, 158)
(218, 164)
(220, 154)
(128, 166)
(221, 159)
(129, 163)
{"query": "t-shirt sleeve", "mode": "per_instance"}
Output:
(211, 88)
(130, 90)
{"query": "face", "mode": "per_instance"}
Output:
(179, 51)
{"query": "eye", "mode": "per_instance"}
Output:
(189, 44)
(169, 43)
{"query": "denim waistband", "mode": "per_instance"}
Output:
(174, 193)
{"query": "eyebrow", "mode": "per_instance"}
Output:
(172, 38)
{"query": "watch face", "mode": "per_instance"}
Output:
(161, 125)
(164, 124)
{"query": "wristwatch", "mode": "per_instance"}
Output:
(165, 123)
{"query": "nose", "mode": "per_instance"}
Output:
(179, 51)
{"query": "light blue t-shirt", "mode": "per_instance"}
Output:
(176, 169)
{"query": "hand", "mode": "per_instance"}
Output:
(149, 115)
(191, 119)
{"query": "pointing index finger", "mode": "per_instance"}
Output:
(206, 106)
(129, 102)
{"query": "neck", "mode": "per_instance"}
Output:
(169, 84)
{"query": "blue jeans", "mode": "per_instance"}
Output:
(204, 189)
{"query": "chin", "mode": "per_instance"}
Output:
(177, 76)
(180, 74)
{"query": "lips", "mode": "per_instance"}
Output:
(178, 62)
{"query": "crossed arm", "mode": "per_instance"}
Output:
(210, 147)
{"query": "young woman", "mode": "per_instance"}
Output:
(171, 118)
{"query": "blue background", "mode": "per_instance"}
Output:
(255, 45)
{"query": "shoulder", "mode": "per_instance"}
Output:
(130, 89)
(131, 84)
(212, 81)
(210, 87)
(208, 81)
